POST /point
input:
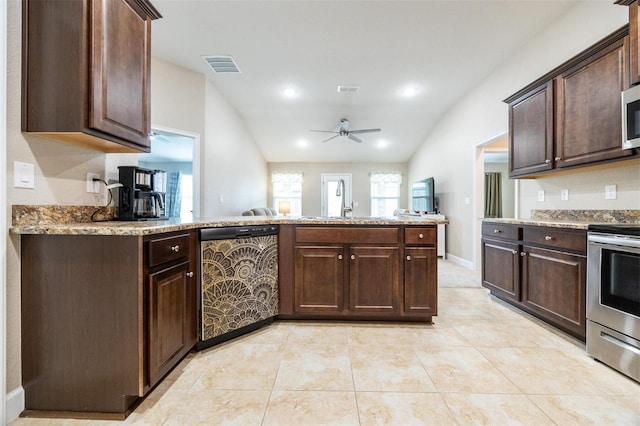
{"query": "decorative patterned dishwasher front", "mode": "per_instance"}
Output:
(239, 283)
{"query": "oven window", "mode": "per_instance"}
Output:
(620, 281)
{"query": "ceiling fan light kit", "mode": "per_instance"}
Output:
(344, 131)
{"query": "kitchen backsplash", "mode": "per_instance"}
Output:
(596, 216)
(24, 215)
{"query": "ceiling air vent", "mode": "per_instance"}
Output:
(348, 89)
(222, 64)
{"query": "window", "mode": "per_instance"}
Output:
(287, 186)
(385, 193)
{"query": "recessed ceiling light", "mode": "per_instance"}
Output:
(382, 144)
(302, 143)
(289, 92)
(410, 91)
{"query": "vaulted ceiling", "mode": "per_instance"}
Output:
(438, 50)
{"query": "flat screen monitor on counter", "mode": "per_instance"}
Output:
(422, 194)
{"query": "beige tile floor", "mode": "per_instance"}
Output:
(480, 362)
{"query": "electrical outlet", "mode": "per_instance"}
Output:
(564, 194)
(93, 186)
(541, 195)
(610, 192)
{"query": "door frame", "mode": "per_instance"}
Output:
(334, 177)
(197, 154)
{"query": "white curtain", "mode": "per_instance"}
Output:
(286, 177)
(386, 177)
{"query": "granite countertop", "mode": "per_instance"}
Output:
(573, 219)
(160, 226)
(538, 222)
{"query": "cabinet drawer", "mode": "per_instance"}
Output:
(168, 249)
(420, 236)
(501, 230)
(346, 235)
(569, 239)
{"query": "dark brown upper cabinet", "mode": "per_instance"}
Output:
(572, 116)
(634, 46)
(86, 69)
(589, 111)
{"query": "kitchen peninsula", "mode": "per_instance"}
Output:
(111, 307)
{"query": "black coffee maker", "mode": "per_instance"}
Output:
(138, 198)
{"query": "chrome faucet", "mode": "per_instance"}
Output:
(340, 192)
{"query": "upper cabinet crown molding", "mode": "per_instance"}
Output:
(83, 79)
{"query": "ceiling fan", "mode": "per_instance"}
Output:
(344, 131)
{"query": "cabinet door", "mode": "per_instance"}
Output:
(168, 307)
(119, 70)
(634, 46)
(589, 109)
(553, 286)
(531, 131)
(420, 281)
(501, 268)
(373, 283)
(319, 280)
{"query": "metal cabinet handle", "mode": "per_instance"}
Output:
(340, 257)
(496, 231)
(558, 158)
(547, 161)
(353, 257)
(190, 274)
(523, 254)
(408, 257)
(421, 236)
(175, 248)
(514, 252)
(548, 238)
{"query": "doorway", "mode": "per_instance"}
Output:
(492, 155)
(174, 151)
(333, 196)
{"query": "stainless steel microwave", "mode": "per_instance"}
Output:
(631, 118)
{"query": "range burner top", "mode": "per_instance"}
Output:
(617, 228)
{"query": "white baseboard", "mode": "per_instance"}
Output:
(15, 404)
(460, 261)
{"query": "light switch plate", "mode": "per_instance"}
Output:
(564, 194)
(23, 175)
(541, 195)
(610, 192)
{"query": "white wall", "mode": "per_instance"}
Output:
(235, 171)
(448, 153)
(361, 187)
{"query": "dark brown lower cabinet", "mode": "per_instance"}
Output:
(373, 280)
(553, 286)
(357, 272)
(501, 268)
(319, 279)
(169, 333)
(420, 281)
(541, 270)
(104, 318)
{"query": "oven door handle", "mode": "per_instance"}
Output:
(616, 240)
(618, 342)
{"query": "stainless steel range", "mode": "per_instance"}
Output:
(613, 296)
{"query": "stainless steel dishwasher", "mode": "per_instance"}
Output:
(239, 281)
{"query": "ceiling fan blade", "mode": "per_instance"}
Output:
(332, 137)
(354, 138)
(365, 131)
(323, 131)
